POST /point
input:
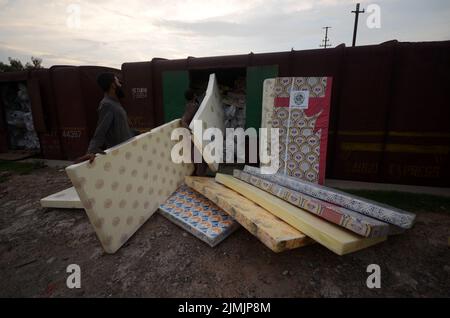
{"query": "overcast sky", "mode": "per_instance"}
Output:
(111, 32)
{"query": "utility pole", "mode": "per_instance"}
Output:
(355, 29)
(326, 39)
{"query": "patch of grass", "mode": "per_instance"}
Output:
(406, 200)
(15, 167)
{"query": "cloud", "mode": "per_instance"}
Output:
(112, 32)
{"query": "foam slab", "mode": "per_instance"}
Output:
(123, 188)
(353, 221)
(333, 237)
(65, 199)
(211, 114)
(198, 215)
(270, 230)
(364, 206)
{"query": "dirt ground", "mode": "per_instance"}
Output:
(162, 260)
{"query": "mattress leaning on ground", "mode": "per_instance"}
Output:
(199, 216)
(123, 188)
(299, 107)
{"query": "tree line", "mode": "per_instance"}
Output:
(16, 65)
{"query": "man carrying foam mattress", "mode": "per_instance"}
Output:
(112, 127)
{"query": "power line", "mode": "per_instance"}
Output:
(325, 41)
(355, 28)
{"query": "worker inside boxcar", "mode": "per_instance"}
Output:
(112, 126)
(192, 105)
(191, 108)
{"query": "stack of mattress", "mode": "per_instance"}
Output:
(339, 221)
(284, 212)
